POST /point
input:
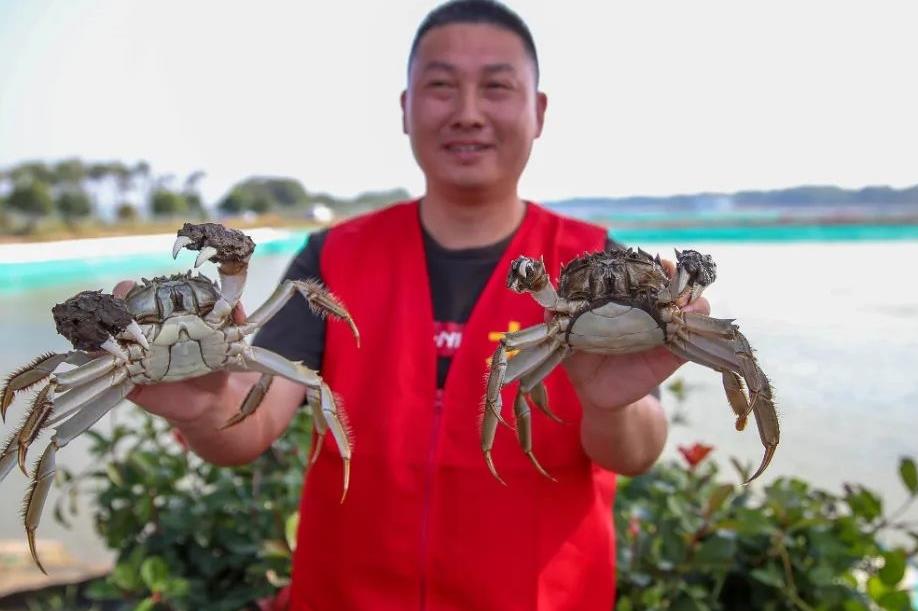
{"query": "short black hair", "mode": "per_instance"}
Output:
(488, 12)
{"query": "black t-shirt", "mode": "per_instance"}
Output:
(457, 278)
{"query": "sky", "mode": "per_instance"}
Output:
(645, 98)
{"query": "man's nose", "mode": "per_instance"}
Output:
(468, 113)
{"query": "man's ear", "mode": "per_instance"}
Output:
(402, 99)
(541, 105)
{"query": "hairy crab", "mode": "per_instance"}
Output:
(620, 302)
(163, 330)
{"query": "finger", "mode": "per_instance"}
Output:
(699, 306)
(239, 316)
(121, 289)
(669, 266)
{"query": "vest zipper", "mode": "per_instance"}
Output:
(424, 552)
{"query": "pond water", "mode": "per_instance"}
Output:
(835, 326)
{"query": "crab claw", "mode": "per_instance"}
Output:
(180, 242)
(112, 347)
(90, 319)
(526, 274)
(695, 272)
(207, 252)
(137, 335)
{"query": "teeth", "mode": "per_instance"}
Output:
(180, 243)
(112, 347)
(206, 253)
(467, 148)
(134, 331)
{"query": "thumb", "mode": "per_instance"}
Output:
(121, 289)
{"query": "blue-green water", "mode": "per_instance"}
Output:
(19, 276)
(833, 320)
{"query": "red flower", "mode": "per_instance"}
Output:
(279, 602)
(634, 526)
(695, 453)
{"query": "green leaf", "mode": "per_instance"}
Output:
(876, 588)
(124, 578)
(290, 529)
(147, 604)
(114, 474)
(894, 567)
(176, 588)
(101, 589)
(895, 601)
(909, 475)
(769, 575)
(717, 498)
(716, 550)
(275, 549)
(155, 572)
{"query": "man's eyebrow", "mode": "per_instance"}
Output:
(491, 68)
(439, 65)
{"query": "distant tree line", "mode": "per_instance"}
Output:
(796, 196)
(73, 191)
(265, 194)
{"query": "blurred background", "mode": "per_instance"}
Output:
(780, 137)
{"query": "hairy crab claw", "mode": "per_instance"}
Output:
(694, 273)
(526, 275)
(91, 320)
(230, 248)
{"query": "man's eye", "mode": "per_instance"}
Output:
(439, 84)
(497, 85)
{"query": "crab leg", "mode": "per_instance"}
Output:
(266, 361)
(524, 431)
(539, 358)
(27, 376)
(18, 444)
(493, 402)
(320, 301)
(85, 373)
(74, 398)
(532, 385)
(528, 359)
(314, 401)
(252, 400)
(732, 355)
(45, 469)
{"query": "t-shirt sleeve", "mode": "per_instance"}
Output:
(295, 332)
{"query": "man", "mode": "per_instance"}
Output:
(425, 526)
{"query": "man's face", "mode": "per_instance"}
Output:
(471, 109)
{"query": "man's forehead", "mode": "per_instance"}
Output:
(471, 46)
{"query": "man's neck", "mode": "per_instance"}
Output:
(464, 222)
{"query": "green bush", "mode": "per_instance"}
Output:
(193, 536)
(190, 535)
(687, 540)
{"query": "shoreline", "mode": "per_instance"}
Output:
(95, 247)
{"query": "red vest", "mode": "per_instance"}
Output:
(425, 525)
